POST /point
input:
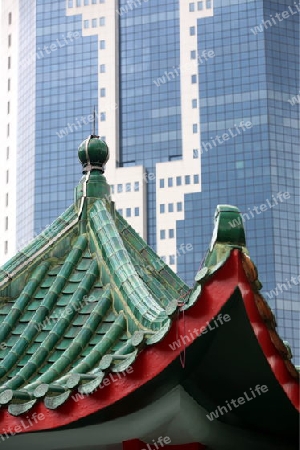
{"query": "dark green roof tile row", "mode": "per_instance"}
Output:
(79, 304)
(83, 299)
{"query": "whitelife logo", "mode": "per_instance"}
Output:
(105, 382)
(263, 207)
(238, 402)
(280, 286)
(161, 442)
(24, 425)
(219, 320)
(265, 24)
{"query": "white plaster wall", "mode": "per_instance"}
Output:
(190, 141)
(109, 129)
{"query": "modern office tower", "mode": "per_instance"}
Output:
(8, 126)
(198, 102)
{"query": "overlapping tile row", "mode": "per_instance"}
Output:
(134, 296)
(157, 275)
(83, 314)
(35, 251)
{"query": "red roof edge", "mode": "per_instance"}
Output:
(237, 271)
(263, 324)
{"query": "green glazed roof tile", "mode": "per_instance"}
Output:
(78, 297)
(85, 297)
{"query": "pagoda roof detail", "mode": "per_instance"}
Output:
(88, 299)
(81, 299)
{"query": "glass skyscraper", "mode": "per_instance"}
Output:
(198, 102)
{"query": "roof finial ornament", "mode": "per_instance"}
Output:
(93, 154)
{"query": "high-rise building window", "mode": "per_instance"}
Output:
(6, 247)
(161, 183)
(136, 186)
(102, 68)
(179, 206)
(6, 199)
(102, 21)
(101, 1)
(208, 3)
(7, 152)
(120, 211)
(9, 62)
(195, 153)
(192, 7)
(194, 103)
(102, 116)
(102, 92)
(7, 177)
(187, 179)
(178, 181)
(94, 23)
(6, 223)
(193, 54)
(86, 2)
(161, 208)
(9, 18)
(86, 23)
(120, 188)
(192, 31)
(128, 212)
(172, 260)
(94, 2)
(7, 129)
(70, 3)
(200, 6)
(196, 179)
(8, 107)
(170, 207)
(194, 79)
(8, 84)
(195, 128)
(137, 211)
(78, 3)
(102, 44)
(162, 234)
(128, 187)
(170, 182)
(9, 40)
(171, 233)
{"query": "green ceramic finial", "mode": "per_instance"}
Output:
(93, 154)
(228, 233)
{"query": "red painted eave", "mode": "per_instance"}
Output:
(155, 358)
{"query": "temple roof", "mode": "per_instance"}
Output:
(79, 300)
(88, 297)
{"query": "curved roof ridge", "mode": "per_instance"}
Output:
(142, 303)
(38, 246)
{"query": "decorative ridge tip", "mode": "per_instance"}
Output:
(229, 227)
(228, 234)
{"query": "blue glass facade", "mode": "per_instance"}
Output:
(251, 79)
(150, 117)
(243, 93)
(66, 93)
